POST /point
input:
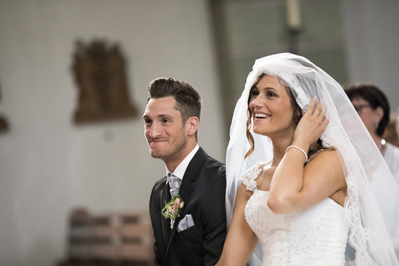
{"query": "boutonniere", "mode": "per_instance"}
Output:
(173, 209)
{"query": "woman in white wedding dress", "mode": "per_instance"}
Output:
(299, 166)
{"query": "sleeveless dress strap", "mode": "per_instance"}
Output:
(250, 175)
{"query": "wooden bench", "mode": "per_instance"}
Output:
(110, 239)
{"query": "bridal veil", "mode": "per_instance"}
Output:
(372, 202)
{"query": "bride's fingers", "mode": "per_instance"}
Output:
(325, 122)
(318, 111)
(312, 106)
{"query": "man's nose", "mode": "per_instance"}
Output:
(154, 130)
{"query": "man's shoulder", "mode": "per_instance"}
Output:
(213, 170)
(160, 182)
(202, 153)
(212, 176)
(212, 163)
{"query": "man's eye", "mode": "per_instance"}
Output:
(165, 121)
(147, 122)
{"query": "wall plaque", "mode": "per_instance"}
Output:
(100, 74)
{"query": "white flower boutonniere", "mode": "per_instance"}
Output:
(173, 209)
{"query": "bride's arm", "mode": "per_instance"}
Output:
(241, 240)
(295, 187)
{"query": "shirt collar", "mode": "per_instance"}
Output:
(182, 167)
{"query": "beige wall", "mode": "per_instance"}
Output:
(372, 40)
(48, 165)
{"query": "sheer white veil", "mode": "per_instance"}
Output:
(372, 203)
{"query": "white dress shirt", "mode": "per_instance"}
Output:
(182, 167)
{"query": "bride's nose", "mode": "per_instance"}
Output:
(256, 101)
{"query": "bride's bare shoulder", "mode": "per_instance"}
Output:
(329, 155)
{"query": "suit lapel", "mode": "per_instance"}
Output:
(191, 174)
(187, 186)
(165, 197)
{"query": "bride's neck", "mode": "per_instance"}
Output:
(279, 147)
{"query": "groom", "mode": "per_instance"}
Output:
(196, 237)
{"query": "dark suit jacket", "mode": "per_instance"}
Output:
(203, 192)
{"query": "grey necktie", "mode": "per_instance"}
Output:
(174, 184)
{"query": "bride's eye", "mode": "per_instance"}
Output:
(270, 94)
(253, 93)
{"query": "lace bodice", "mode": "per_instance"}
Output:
(314, 236)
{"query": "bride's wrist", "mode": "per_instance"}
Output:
(301, 144)
(299, 149)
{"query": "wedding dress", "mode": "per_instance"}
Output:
(314, 236)
(369, 219)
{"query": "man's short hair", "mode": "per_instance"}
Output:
(187, 98)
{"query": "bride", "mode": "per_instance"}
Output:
(299, 168)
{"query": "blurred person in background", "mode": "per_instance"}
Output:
(390, 133)
(373, 108)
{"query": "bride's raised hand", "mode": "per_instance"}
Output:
(311, 126)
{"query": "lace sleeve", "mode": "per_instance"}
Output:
(249, 176)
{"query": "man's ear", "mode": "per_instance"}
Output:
(192, 125)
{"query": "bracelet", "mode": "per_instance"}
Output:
(298, 148)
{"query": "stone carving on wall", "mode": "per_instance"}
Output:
(3, 123)
(100, 74)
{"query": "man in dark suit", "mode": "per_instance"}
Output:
(171, 121)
